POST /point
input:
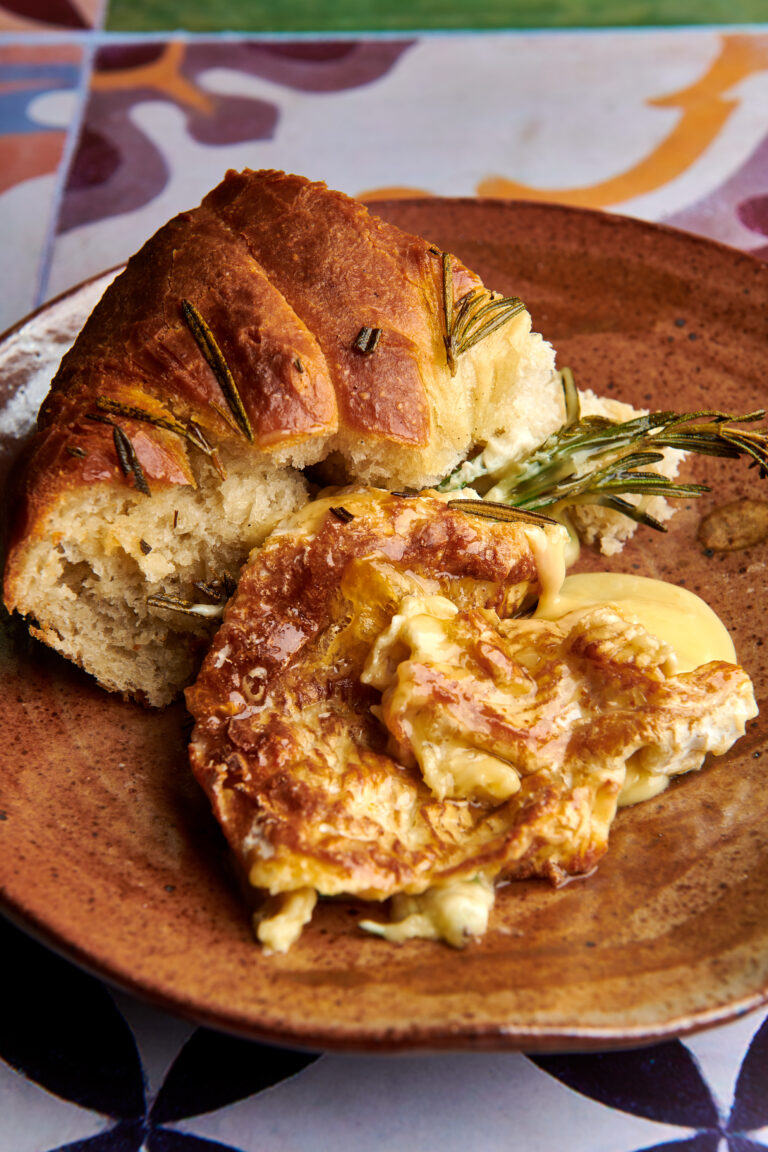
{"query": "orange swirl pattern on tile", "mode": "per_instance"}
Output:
(163, 74)
(394, 192)
(705, 109)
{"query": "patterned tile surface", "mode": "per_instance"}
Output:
(102, 138)
(164, 120)
(119, 168)
(103, 1073)
(38, 104)
(102, 141)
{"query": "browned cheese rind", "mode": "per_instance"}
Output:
(313, 789)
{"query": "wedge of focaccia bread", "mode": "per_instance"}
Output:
(277, 325)
(373, 720)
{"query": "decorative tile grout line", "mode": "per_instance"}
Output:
(62, 1030)
(70, 149)
(665, 1084)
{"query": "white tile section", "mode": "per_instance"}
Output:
(54, 109)
(159, 1037)
(33, 1120)
(745, 128)
(455, 1103)
(719, 1053)
(25, 211)
(551, 112)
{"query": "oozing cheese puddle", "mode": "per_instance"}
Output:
(675, 615)
(695, 634)
(550, 553)
(689, 628)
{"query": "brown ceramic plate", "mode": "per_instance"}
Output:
(107, 848)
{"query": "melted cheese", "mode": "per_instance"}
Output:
(685, 630)
(280, 925)
(550, 553)
(453, 912)
(449, 764)
(639, 786)
(694, 633)
(681, 619)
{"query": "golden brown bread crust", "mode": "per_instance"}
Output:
(221, 363)
(137, 339)
(285, 273)
(354, 271)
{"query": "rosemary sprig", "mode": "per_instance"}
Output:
(491, 510)
(367, 340)
(187, 607)
(476, 315)
(125, 452)
(218, 590)
(214, 357)
(594, 460)
(191, 432)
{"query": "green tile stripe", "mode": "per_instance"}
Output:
(410, 15)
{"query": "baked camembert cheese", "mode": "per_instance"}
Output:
(406, 702)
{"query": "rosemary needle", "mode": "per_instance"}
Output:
(187, 607)
(492, 510)
(191, 432)
(367, 340)
(129, 461)
(214, 357)
(448, 308)
(595, 460)
(477, 315)
(342, 514)
(125, 452)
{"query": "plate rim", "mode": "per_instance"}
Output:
(504, 1037)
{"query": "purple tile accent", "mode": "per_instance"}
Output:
(742, 195)
(117, 169)
(58, 13)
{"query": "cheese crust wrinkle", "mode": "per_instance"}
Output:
(374, 719)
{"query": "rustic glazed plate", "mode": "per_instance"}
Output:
(107, 848)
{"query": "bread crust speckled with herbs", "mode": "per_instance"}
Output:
(277, 325)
